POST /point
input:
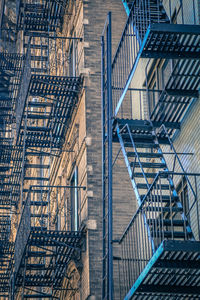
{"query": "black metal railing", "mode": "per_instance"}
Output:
(23, 90)
(45, 208)
(23, 233)
(43, 16)
(56, 60)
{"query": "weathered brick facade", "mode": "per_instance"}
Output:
(82, 149)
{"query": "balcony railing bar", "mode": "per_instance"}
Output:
(149, 193)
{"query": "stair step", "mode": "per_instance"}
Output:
(39, 116)
(141, 145)
(5, 207)
(37, 128)
(39, 191)
(149, 175)
(37, 253)
(165, 209)
(39, 70)
(35, 266)
(37, 34)
(168, 234)
(40, 104)
(138, 137)
(38, 228)
(36, 166)
(39, 58)
(37, 154)
(149, 165)
(37, 296)
(144, 186)
(167, 222)
(37, 203)
(39, 47)
(164, 198)
(36, 178)
(39, 215)
(32, 7)
(141, 125)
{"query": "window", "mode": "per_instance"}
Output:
(153, 96)
(158, 77)
(72, 59)
(74, 202)
(182, 191)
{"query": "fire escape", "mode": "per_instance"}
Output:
(38, 97)
(160, 248)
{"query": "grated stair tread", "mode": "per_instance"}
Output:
(148, 165)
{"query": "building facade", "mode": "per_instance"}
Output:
(99, 159)
(51, 211)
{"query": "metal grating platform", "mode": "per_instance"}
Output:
(58, 247)
(62, 94)
(171, 41)
(11, 61)
(43, 16)
(181, 89)
(174, 270)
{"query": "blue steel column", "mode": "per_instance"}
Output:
(109, 130)
(103, 166)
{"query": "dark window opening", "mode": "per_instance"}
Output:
(74, 202)
(182, 191)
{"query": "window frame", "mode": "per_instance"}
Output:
(74, 201)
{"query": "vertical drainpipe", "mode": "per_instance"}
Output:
(103, 166)
(110, 120)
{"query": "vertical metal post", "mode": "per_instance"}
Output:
(12, 287)
(147, 90)
(76, 206)
(109, 129)
(74, 56)
(103, 164)
(23, 157)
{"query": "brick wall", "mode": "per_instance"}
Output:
(89, 22)
(95, 13)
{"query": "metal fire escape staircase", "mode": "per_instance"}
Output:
(145, 162)
(151, 34)
(160, 256)
(11, 65)
(42, 98)
(167, 250)
(166, 226)
(44, 16)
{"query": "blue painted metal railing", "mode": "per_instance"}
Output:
(136, 244)
(134, 37)
(131, 45)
